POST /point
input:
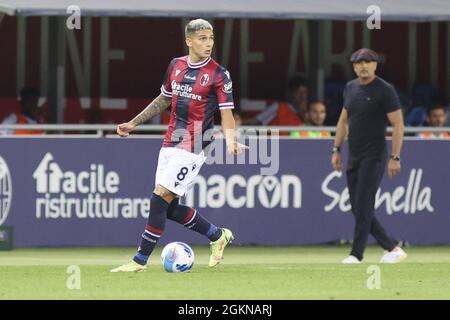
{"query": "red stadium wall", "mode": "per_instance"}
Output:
(261, 55)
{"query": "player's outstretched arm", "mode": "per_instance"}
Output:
(229, 130)
(155, 107)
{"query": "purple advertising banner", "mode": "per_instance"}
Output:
(96, 192)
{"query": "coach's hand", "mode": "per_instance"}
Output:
(336, 161)
(393, 167)
(236, 148)
(124, 129)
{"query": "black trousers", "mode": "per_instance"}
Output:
(364, 176)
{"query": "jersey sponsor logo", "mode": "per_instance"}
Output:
(184, 90)
(228, 87)
(5, 190)
(204, 80)
(227, 73)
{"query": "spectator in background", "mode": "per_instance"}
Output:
(416, 117)
(436, 118)
(29, 114)
(316, 114)
(447, 116)
(286, 113)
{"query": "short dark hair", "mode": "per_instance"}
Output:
(295, 82)
(435, 107)
(28, 92)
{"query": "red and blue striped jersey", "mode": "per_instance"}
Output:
(197, 90)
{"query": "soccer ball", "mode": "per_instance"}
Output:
(177, 257)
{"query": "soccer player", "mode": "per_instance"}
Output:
(369, 102)
(194, 86)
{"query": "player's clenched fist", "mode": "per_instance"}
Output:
(336, 161)
(124, 129)
(393, 167)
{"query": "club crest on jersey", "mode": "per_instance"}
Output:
(204, 80)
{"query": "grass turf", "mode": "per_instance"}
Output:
(246, 273)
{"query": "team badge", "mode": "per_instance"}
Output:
(204, 80)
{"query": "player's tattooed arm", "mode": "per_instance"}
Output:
(157, 106)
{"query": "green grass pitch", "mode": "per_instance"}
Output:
(246, 273)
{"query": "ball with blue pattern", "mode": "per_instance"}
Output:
(177, 257)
